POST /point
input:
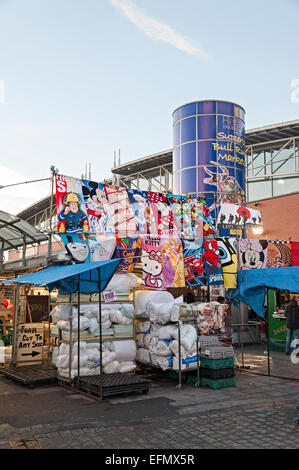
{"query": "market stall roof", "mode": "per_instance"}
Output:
(252, 285)
(14, 232)
(65, 278)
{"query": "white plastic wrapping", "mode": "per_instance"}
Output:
(188, 336)
(112, 368)
(65, 325)
(124, 350)
(143, 297)
(121, 282)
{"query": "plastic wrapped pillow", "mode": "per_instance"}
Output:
(112, 368)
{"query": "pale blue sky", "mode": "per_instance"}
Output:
(85, 77)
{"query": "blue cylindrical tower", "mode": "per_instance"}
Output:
(209, 151)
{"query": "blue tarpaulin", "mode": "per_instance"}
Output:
(65, 278)
(252, 285)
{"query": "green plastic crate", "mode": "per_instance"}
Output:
(216, 384)
(208, 363)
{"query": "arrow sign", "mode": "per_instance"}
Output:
(30, 338)
(32, 354)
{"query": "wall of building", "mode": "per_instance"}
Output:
(34, 250)
(280, 217)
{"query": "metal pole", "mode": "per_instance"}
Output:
(78, 294)
(268, 342)
(180, 368)
(49, 327)
(197, 358)
(101, 333)
(241, 342)
(15, 325)
(51, 214)
(71, 338)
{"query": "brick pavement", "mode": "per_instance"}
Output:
(258, 413)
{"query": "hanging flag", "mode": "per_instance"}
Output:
(252, 254)
(229, 261)
(212, 262)
(193, 262)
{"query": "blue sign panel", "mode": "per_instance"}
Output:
(209, 151)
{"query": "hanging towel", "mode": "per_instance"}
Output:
(229, 261)
(212, 262)
(162, 212)
(252, 254)
(193, 262)
(295, 253)
(279, 254)
(141, 209)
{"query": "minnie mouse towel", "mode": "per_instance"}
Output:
(162, 213)
(252, 254)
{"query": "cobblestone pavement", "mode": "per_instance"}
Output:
(260, 412)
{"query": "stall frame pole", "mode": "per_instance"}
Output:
(101, 334)
(15, 325)
(78, 294)
(268, 335)
(71, 338)
(49, 328)
(180, 368)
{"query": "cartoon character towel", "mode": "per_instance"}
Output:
(121, 210)
(141, 209)
(128, 249)
(71, 212)
(229, 261)
(182, 215)
(97, 207)
(152, 262)
(172, 262)
(101, 247)
(279, 254)
(212, 262)
(252, 254)
(77, 247)
(163, 262)
(163, 214)
(202, 222)
(193, 262)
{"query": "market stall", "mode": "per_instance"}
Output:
(80, 279)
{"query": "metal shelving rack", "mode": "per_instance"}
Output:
(102, 385)
(178, 324)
